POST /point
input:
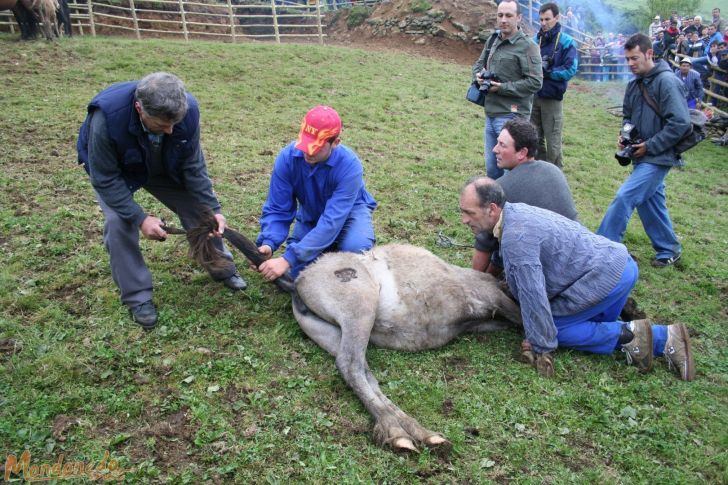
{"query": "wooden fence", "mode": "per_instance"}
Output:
(229, 19)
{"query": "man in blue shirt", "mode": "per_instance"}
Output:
(691, 79)
(571, 284)
(318, 182)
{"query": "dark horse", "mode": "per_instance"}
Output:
(29, 13)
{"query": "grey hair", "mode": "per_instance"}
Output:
(488, 191)
(162, 95)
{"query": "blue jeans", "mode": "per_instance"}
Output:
(493, 127)
(596, 329)
(644, 190)
(356, 236)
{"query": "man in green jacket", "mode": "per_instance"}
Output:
(516, 62)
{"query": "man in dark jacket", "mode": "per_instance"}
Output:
(559, 61)
(146, 134)
(652, 158)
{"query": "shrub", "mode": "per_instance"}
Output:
(420, 6)
(357, 16)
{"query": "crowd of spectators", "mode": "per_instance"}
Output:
(696, 47)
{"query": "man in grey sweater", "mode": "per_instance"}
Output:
(570, 283)
(533, 182)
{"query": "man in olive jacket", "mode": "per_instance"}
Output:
(516, 61)
(652, 158)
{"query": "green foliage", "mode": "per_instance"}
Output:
(357, 15)
(420, 6)
(227, 389)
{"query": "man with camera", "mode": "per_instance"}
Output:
(648, 141)
(510, 68)
(560, 61)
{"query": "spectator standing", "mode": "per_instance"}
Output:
(654, 27)
(319, 183)
(516, 61)
(713, 36)
(146, 135)
(695, 46)
(669, 39)
(560, 62)
(682, 46)
(717, 21)
(693, 84)
(653, 158)
(688, 27)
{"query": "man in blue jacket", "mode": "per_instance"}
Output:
(146, 134)
(320, 183)
(571, 284)
(652, 158)
(560, 61)
(693, 84)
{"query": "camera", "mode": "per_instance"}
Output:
(630, 136)
(488, 77)
(547, 62)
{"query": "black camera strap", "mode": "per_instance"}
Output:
(649, 99)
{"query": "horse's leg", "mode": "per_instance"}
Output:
(65, 17)
(328, 337)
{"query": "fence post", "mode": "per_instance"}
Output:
(91, 23)
(134, 19)
(318, 22)
(275, 21)
(184, 19)
(232, 19)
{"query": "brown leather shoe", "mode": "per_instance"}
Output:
(639, 349)
(678, 353)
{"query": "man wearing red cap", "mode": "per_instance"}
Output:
(319, 183)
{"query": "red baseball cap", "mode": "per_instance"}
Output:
(319, 125)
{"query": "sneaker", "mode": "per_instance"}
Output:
(145, 315)
(639, 349)
(235, 282)
(678, 354)
(662, 262)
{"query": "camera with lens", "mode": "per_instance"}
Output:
(547, 62)
(488, 77)
(630, 136)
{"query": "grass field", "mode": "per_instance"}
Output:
(227, 388)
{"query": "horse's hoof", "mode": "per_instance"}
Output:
(439, 445)
(404, 444)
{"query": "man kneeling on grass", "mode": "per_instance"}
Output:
(570, 283)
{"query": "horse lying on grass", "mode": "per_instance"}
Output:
(396, 296)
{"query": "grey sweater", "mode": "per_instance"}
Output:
(536, 183)
(555, 266)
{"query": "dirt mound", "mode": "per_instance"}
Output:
(451, 30)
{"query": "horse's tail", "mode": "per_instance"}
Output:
(204, 252)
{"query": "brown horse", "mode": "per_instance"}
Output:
(29, 13)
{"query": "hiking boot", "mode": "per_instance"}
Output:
(678, 354)
(639, 349)
(145, 315)
(662, 262)
(235, 282)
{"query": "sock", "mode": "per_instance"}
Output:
(626, 333)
